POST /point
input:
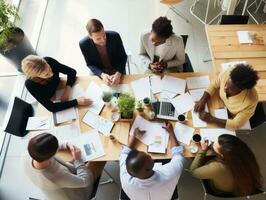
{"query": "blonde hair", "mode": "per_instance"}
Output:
(33, 65)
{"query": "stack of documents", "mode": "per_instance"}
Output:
(175, 85)
(142, 88)
(65, 115)
(76, 92)
(99, 123)
(183, 133)
(39, 123)
(212, 134)
(244, 37)
(66, 133)
(90, 145)
(196, 94)
(198, 82)
(94, 92)
(183, 103)
(155, 135)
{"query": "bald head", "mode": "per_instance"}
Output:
(139, 164)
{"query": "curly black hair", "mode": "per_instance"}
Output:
(162, 27)
(244, 76)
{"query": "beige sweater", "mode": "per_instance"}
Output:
(61, 181)
(241, 106)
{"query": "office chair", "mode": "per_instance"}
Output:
(259, 116)
(209, 194)
(234, 19)
(187, 66)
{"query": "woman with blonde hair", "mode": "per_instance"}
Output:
(43, 79)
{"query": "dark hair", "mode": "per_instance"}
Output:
(243, 76)
(162, 27)
(133, 163)
(42, 147)
(93, 26)
(242, 163)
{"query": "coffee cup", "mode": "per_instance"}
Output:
(196, 138)
(181, 118)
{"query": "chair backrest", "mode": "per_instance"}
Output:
(234, 19)
(209, 195)
(259, 116)
(185, 37)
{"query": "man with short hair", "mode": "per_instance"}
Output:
(104, 52)
(141, 180)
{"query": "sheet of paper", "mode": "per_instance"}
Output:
(152, 129)
(183, 103)
(141, 88)
(39, 123)
(197, 122)
(244, 37)
(183, 133)
(225, 66)
(97, 122)
(76, 92)
(167, 95)
(94, 92)
(198, 82)
(212, 134)
(223, 114)
(65, 115)
(90, 145)
(66, 133)
(160, 143)
(172, 84)
(156, 84)
(120, 88)
(196, 94)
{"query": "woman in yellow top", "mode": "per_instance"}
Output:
(233, 172)
(236, 89)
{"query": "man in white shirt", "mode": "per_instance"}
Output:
(141, 180)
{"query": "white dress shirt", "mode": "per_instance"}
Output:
(160, 186)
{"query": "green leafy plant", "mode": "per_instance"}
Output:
(107, 96)
(8, 17)
(126, 105)
(146, 101)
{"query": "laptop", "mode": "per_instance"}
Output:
(165, 110)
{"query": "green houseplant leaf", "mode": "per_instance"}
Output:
(126, 105)
(8, 17)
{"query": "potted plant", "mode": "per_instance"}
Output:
(14, 45)
(107, 97)
(147, 101)
(126, 105)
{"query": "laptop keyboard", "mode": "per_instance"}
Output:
(167, 109)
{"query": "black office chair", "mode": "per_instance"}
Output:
(187, 66)
(210, 195)
(259, 116)
(234, 19)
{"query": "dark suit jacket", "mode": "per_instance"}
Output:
(115, 49)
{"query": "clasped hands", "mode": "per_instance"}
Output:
(111, 79)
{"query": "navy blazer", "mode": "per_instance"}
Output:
(115, 50)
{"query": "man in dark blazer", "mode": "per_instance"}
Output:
(104, 52)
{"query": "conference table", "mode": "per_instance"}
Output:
(225, 47)
(121, 129)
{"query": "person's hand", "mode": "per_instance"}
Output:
(82, 101)
(116, 78)
(204, 144)
(66, 94)
(205, 116)
(138, 133)
(75, 152)
(106, 78)
(155, 67)
(163, 65)
(169, 127)
(200, 105)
